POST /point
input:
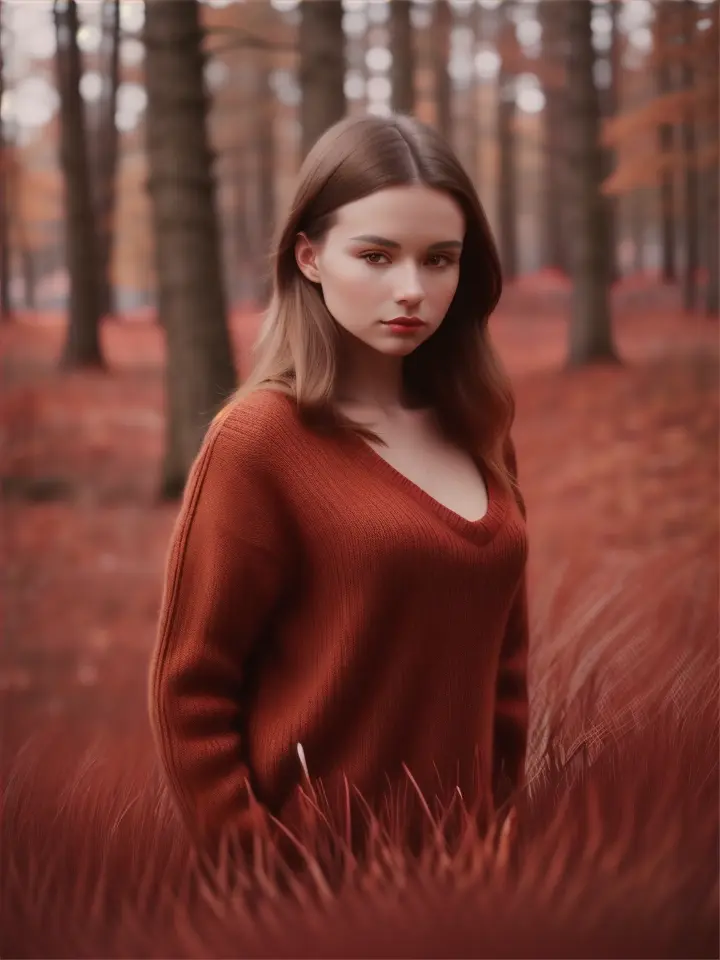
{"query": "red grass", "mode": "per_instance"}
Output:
(616, 855)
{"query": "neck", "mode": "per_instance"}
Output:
(367, 378)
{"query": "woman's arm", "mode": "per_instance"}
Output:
(223, 580)
(511, 707)
(511, 703)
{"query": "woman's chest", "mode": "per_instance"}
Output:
(409, 515)
(444, 473)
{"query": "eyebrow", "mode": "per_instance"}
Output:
(393, 244)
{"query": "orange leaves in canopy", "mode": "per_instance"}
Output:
(647, 167)
(690, 55)
(700, 103)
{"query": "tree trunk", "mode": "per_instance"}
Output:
(27, 262)
(691, 218)
(5, 300)
(266, 167)
(507, 173)
(322, 68)
(402, 70)
(472, 115)
(200, 373)
(712, 242)
(107, 152)
(711, 175)
(442, 27)
(609, 108)
(590, 324)
(666, 138)
(82, 344)
(555, 246)
(637, 218)
(241, 174)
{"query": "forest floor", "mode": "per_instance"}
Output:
(618, 464)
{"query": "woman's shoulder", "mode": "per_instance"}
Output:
(258, 422)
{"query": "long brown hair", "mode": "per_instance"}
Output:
(456, 372)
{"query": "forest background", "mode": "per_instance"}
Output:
(147, 149)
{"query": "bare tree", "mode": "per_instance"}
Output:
(200, 373)
(709, 77)
(553, 38)
(590, 326)
(82, 343)
(5, 304)
(106, 158)
(442, 28)
(322, 68)
(688, 136)
(29, 275)
(402, 70)
(637, 217)
(666, 139)
(265, 160)
(608, 108)
(712, 241)
(507, 158)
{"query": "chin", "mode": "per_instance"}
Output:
(399, 349)
(400, 346)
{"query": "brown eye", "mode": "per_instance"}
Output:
(439, 260)
(369, 257)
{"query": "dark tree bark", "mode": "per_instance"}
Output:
(105, 173)
(322, 69)
(402, 71)
(711, 181)
(691, 214)
(712, 241)
(82, 343)
(266, 166)
(5, 278)
(471, 118)
(442, 27)
(200, 373)
(245, 286)
(5, 301)
(637, 217)
(27, 263)
(507, 159)
(590, 324)
(608, 108)
(666, 139)
(554, 240)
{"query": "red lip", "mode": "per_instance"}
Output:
(405, 322)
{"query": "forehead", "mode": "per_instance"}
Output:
(413, 213)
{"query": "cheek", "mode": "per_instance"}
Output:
(347, 287)
(442, 291)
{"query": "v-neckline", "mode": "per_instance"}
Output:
(481, 530)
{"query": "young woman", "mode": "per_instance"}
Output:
(345, 598)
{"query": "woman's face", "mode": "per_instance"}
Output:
(391, 256)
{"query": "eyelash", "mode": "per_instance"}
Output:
(376, 253)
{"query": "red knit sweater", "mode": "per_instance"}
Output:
(316, 596)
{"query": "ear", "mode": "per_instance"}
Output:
(305, 258)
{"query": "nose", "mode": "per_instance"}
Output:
(409, 289)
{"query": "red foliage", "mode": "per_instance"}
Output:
(619, 468)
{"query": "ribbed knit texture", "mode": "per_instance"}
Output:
(315, 596)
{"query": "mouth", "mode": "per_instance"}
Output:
(403, 324)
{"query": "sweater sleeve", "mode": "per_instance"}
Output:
(511, 703)
(223, 580)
